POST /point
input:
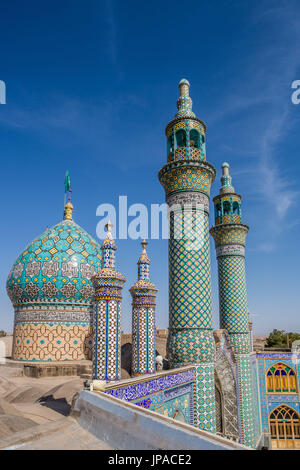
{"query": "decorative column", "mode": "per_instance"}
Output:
(230, 234)
(143, 318)
(108, 284)
(187, 178)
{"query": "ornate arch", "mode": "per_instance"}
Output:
(226, 389)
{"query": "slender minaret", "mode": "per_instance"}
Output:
(187, 178)
(230, 234)
(108, 284)
(143, 318)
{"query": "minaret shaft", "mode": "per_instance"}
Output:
(230, 234)
(143, 294)
(108, 284)
(187, 179)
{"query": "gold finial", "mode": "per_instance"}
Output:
(69, 208)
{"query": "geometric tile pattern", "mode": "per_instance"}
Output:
(233, 294)
(240, 342)
(171, 394)
(143, 340)
(205, 414)
(108, 284)
(107, 360)
(190, 339)
(246, 399)
(227, 231)
(56, 266)
(190, 346)
(189, 273)
(55, 341)
(143, 294)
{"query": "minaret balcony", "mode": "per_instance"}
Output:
(187, 153)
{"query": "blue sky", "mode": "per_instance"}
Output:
(91, 86)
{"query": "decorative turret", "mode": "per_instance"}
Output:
(230, 234)
(143, 318)
(108, 284)
(187, 178)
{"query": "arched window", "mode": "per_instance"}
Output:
(236, 208)
(170, 144)
(226, 208)
(218, 210)
(281, 379)
(285, 428)
(181, 138)
(195, 138)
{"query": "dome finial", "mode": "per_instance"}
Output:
(226, 180)
(184, 87)
(184, 102)
(68, 214)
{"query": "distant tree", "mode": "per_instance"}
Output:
(2, 333)
(281, 339)
(291, 337)
(276, 339)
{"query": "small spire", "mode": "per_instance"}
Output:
(226, 180)
(184, 102)
(108, 248)
(144, 257)
(143, 263)
(108, 227)
(184, 87)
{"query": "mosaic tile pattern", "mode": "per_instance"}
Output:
(171, 395)
(108, 284)
(233, 294)
(55, 341)
(143, 341)
(205, 414)
(107, 363)
(56, 266)
(143, 318)
(190, 338)
(190, 346)
(233, 306)
(246, 399)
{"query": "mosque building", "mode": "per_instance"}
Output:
(67, 298)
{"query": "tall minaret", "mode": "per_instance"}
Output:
(187, 178)
(108, 284)
(230, 234)
(143, 318)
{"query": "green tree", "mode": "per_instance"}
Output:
(292, 337)
(281, 339)
(276, 339)
(2, 333)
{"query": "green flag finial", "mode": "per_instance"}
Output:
(67, 182)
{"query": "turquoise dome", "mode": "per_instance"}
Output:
(56, 267)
